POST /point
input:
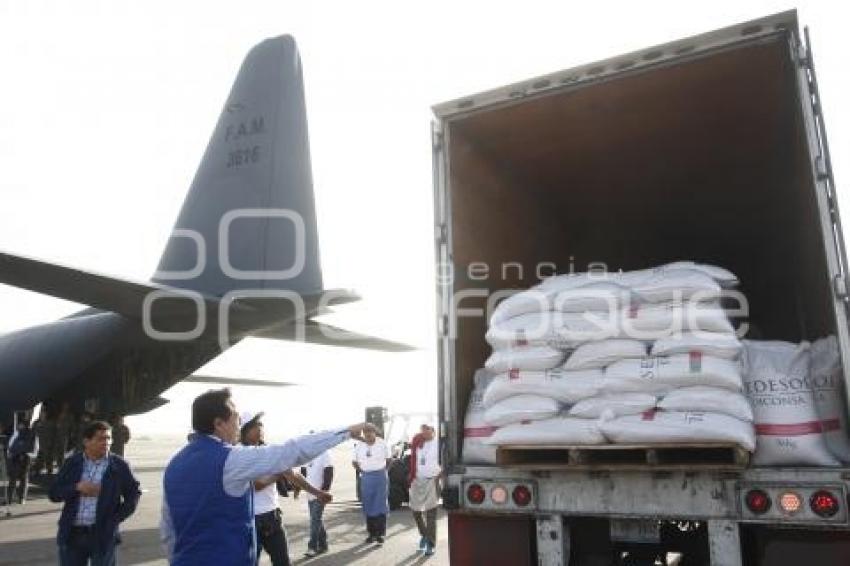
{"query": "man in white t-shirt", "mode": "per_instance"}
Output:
(320, 475)
(425, 486)
(371, 458)
(271, 536)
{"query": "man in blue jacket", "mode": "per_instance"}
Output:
(99, 492)
(207, 504)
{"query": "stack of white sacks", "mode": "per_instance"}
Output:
(640, 357)
(797, 395)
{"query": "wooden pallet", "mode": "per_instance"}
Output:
(671, 456)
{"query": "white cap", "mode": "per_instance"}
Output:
(248, 416)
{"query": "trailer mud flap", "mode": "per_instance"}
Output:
(492, 539)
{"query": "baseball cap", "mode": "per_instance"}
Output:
(249, 418)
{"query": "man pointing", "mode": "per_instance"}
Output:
(207, 507)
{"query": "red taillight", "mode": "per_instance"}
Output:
(521, 495)
(824, 503)
(758, 501)
(475, 494)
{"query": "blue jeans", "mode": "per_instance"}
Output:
(81, 550)
(318, 535)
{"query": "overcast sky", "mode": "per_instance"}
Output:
(106, 108)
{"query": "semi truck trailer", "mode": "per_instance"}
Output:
(711, 148)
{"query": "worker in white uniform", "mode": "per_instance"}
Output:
(371, 459)
(268, 521)
(425, 486)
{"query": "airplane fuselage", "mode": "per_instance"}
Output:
(94, 360)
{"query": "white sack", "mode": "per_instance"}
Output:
(660, 375)
(708, 343)
(655, 321)
(828, 383)
(777, 383)
(521, 408)
(605, 352)
(708, 399)
(661, 427)
(530, 329)
(557, 430)
(554, 329)
(593, 296)
(588, 295)
(676, 285)
(564, 386)
(565, 330)
(613, 405)
(566, 281)
(724, 277)
(536, 358)
(528, 301)
(475, 429)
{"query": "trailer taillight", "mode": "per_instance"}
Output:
(758, 501)
(824, 503)
(499, 495)
(521, 496)
(475, 494)
(790, 502)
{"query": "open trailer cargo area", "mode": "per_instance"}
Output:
(709, 149)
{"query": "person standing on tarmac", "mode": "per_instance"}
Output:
(319, 473)
(64, 428)
(271, 536)
(425, 486)
(207, 513)
(99, 492)
(371, 458)
(46, 434)
(120, 435)
(23, 447)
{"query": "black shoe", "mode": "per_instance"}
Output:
(379, 540)
(322, 550)
(370, 540)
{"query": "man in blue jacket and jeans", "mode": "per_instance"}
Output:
(99, 492)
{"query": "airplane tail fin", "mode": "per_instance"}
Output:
(248, 225)
(249, 220)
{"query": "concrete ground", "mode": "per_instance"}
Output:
(28, 537)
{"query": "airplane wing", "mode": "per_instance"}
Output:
(96, 290)
(127, 297)
(315, 332)
(236, 381)
(246, 314)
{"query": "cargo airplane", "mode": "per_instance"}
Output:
(242, 260)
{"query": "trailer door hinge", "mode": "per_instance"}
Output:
(436, 139)
(802, 55)
(820, 168)
(444, 325)
(840, 286)
(441, 233)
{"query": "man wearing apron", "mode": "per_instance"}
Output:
(425, 487)
(371, 458)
